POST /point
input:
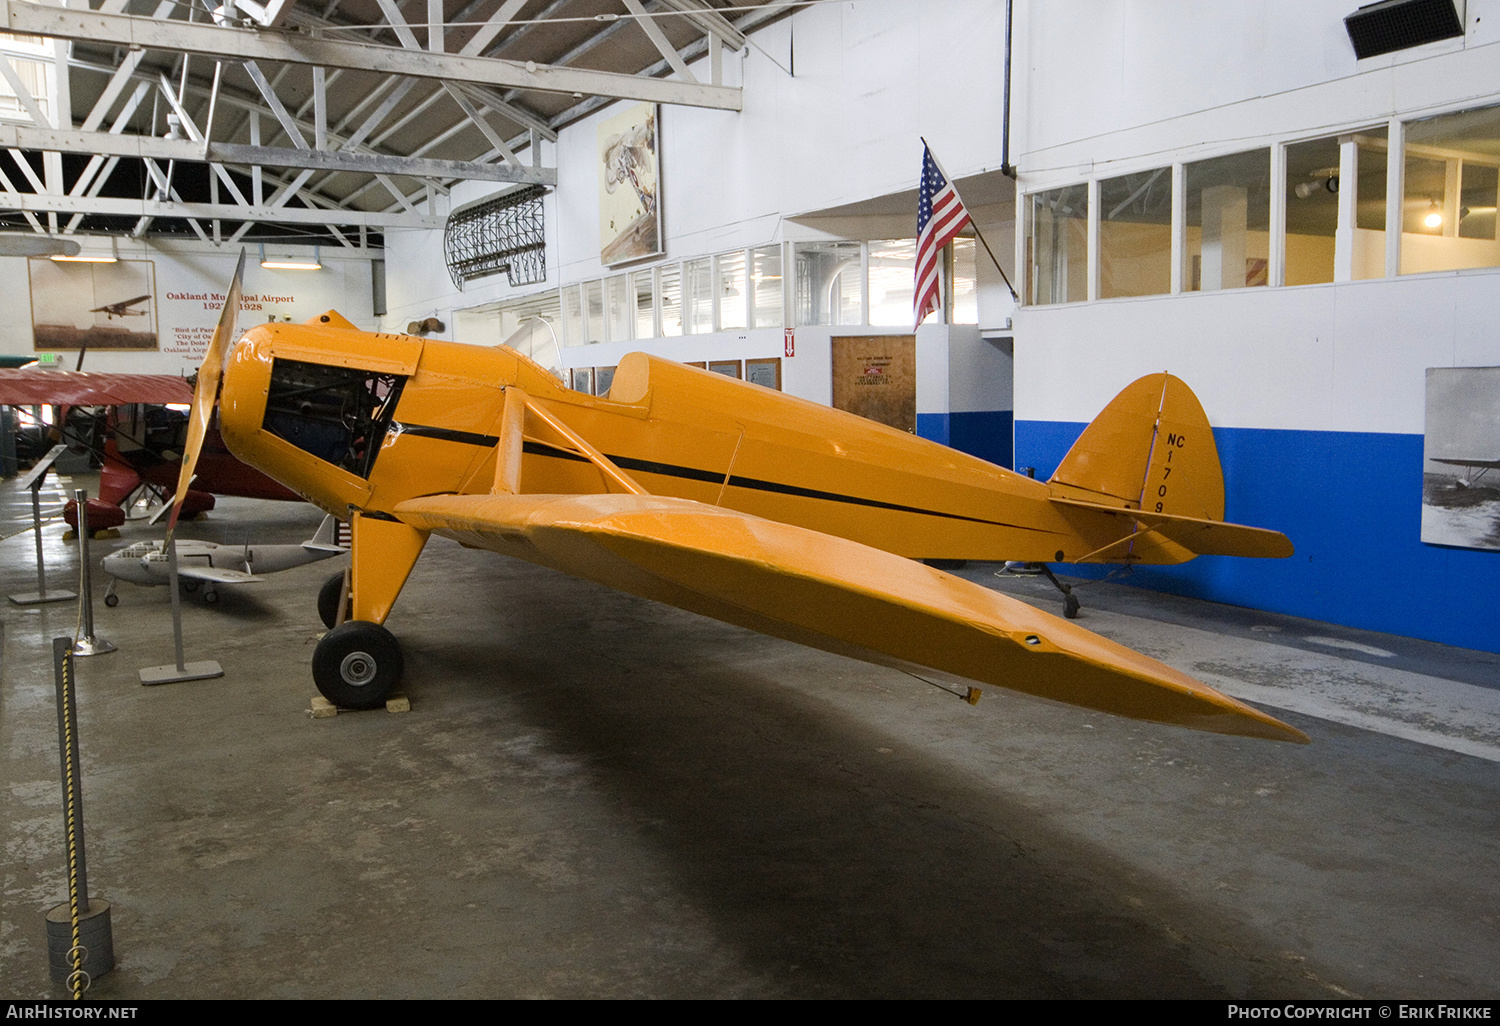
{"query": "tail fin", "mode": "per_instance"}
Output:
(1151, 449)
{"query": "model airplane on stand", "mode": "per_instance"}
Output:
(211, 564)
(723, 498)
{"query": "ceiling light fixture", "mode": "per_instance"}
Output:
(92, 251)
(1434, 218)
(291, 263)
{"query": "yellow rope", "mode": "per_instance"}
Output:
(78, 980)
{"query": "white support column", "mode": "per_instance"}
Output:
(864, 283)
(1093, 240)
(1395, 195)
(749, 290)
(656, 313)
(1276, 254)
(1343, 237)
(435, 26)
(1179, 226)
(257, 191)
(320, 109)
(1225, 226)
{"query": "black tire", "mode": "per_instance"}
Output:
(111, 601)
(357, 665)
(328, 600)
(1070, 607)
(210, 596)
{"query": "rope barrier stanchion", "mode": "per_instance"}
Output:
(33, 483)
(80, 943)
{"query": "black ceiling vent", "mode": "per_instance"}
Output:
(1393, 25)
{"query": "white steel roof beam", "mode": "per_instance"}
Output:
(25, 18)
(112, 144)
(43, 203)
(659, 39)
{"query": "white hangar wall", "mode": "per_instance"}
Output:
(1316, 391)
(189, 279)
(836, 100)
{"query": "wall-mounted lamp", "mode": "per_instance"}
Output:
(291, 263)
(1434, 218)
(98, 250)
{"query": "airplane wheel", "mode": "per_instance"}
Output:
(189, 586)
(210, 596)
(357, 665)
(111, 601)
(328, 600)
(1070, 607)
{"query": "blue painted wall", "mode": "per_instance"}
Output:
(1351, 503)
(983, 434)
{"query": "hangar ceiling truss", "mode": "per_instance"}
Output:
(325, 119)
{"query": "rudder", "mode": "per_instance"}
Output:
(1150, 449)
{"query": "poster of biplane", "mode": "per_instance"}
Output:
(92, 306)
(1461, 458)
(629, 165)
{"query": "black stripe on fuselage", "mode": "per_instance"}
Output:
(754, 484)
(446, 434)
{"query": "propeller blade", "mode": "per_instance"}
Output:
(207, 391)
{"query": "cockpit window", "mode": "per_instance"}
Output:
(339, 414)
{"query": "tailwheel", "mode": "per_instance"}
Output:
(328, 600)
(357, 665)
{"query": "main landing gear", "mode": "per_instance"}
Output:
(357, 665)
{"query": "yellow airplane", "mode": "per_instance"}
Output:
(723, 498)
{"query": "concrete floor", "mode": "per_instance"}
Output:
(596, 796)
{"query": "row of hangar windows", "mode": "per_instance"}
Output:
(832, 282)
(1296, 213)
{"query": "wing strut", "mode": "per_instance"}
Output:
(594, 456)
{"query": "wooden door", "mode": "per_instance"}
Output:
(875, 376)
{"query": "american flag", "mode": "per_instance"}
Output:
(940, 217)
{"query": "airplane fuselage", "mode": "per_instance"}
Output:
(305, 403)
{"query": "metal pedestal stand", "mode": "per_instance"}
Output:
(33, 481)
(181, 671)
(87, 645)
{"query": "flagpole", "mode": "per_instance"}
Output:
(975, 224)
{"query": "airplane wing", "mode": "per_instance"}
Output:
(833, 594)
(217, 575)
(29, 387)
(119, 307)
(1476, 464)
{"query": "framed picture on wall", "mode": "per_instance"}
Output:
(728, 368)
(1461, 458)
(582, 379)
(629, 163)
(765, 372)
(92, 306)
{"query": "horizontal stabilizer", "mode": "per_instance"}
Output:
(1196, 536)
(831, 593)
